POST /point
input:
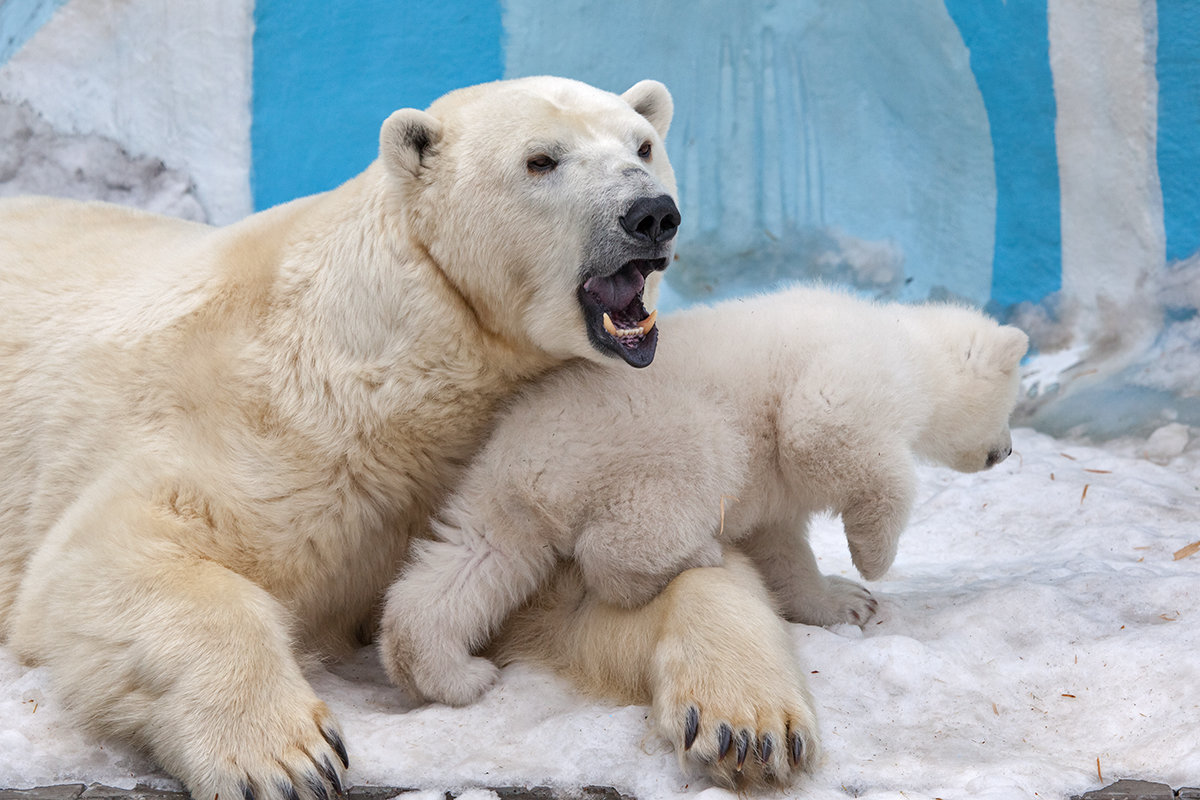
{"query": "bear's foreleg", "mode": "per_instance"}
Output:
(784, 556)
(183, 657)
(875, 511)
(727, 689)
(710, 655)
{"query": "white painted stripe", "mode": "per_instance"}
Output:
(1102, 56)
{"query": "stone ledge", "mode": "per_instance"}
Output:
(1136, 790)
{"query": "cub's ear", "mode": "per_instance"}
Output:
(652, 100)
(407, 139)
(1011, 346)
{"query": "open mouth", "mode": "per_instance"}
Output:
(616, 319)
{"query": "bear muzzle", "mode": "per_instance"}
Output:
(616, 319)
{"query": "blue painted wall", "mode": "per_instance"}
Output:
(921, 128)
(844, 141)
(1010, 56)
(326, 76)
(790, 154)
(1178, 70)
(916, 136)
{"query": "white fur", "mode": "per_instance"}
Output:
(216, 443)
(756, 415)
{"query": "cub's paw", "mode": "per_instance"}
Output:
(437, 670)
(744, 722)
(841, 601)
(278, 758)
(455, 682)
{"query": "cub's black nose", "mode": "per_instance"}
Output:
(652, 219)
(996, 456)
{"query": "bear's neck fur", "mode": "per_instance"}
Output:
(339, 401)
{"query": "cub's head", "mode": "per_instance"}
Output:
(548, 204)
(973, 365)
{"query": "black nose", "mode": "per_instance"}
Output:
(652, 219)
(999, 454)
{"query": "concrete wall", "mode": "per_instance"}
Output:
(169, 81)
(1037, 157)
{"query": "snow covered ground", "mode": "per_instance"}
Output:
(1037, 637)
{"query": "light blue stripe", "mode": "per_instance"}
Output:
(21, 19)
(842, 141)
(326, 75)
(1178, 69)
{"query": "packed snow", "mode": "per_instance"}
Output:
(1036, 637)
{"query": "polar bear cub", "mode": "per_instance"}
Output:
(755, 415)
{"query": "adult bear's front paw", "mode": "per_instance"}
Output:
(274, 756)
(742, 748)
(740, 715)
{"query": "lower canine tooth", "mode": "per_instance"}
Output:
(640, 330)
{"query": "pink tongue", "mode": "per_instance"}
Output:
(616, 291)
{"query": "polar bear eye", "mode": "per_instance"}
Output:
(644, 151)
(541, 163)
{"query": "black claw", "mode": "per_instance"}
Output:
(288, 790)
(335, 742)
(316, 786)
(691, 727)
(247, 792)
(743, 746)
(724, 740)
(765, 748)
(796, 747)
(330, 774)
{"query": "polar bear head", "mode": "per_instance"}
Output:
(975, 367)
(548, 204)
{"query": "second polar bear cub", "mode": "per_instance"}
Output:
(755, 415)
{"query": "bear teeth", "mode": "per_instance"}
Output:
(643, 327)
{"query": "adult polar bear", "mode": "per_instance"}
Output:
(215, 443)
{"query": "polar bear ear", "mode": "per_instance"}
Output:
(406, 140)
(652, 100)
(1011, 347)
